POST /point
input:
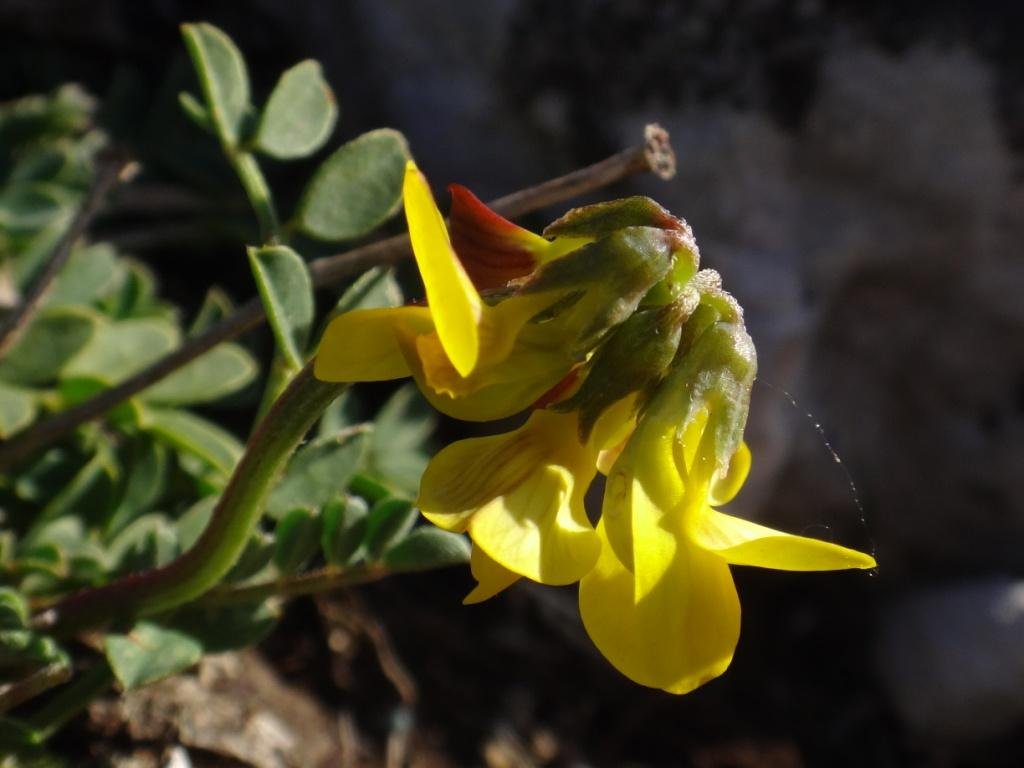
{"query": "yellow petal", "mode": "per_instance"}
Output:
(673, 624)
(520, 496)
(540, 529)
(643, 481)
(725, 487)
(742, 542)
(491, 577)
(364, 345)
(454, 302)
(489, 393)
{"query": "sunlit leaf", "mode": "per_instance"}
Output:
(150, 652)
(287, 293)
(356, 189)
(299, 115)
(222, 77)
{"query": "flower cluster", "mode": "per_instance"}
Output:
(632, 363)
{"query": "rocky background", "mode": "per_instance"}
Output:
(853, 170)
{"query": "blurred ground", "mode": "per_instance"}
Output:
(853, 170)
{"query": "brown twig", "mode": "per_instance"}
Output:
(111, 170)
(43, 679)
(654, 155)
(316, 582)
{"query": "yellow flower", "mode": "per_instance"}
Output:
(660, 603)
(547, 303)
(462, 351)
(519, 495)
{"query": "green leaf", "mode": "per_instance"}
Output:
(356, 189)
(428, 547)
(13, 609)
(398, 452)
(89, 491)
(137, 296)
(373, 289)
(227, 628)
(224, 369)
(193, 435)
(342, 413)
(146, 480)
(192, 524)
(299, 115)
(389, 521)
(222, 77)
(150, 652)
(344, 527)
(115, 352)
(15, 736)
(296, 539)
(216, 306)
(18, 408)
(47, 345)
(196, 112)
(90, 274)
(148, 542)
(255, 558)
(286, 289)
(318, 472)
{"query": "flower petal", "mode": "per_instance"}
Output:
(364, 345)
(726, 486)
(493, 250)
(742, 542)
(674, 623)
(540, 529)
(454, 302)
(520, 496)
(644, 481)
(491, 577)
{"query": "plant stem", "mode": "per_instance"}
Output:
(41, 680)
(71, 700)
(655, 155)
(224, 537)
(111, 169)
(256, 189)
(314, 582)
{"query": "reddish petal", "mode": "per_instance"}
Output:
(492, 249)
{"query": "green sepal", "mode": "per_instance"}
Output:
(601, 219)
(633, 358)
(600, 284)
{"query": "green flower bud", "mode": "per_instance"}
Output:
(634, 358)
(602, 283)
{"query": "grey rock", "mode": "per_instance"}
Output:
(952, 660)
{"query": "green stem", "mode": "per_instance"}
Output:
(222, 542)
(312, 583)
(71, 700)
(257, 191)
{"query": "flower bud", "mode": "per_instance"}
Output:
(634, 358)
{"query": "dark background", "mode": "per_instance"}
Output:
(852, 169)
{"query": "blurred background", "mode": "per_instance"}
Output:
(853, 171)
